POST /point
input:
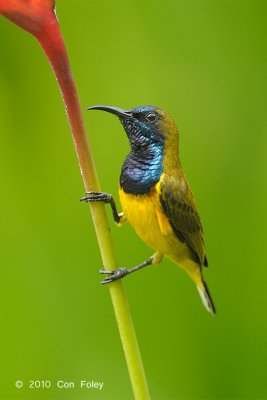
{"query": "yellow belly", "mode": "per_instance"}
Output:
(143, 212)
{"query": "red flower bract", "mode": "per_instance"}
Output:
(38, 18)
(30, 15)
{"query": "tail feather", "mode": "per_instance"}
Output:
(206, 298)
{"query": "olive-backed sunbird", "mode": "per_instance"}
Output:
(155, 196)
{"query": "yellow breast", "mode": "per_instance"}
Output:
(143, 212)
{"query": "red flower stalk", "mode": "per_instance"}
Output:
(39, 19)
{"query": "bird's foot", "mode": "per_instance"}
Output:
(97, 196)
(105, 198)
(113, 275)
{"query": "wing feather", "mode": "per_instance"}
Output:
(178, 204)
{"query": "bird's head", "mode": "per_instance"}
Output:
(145, 124)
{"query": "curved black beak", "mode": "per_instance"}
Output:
(113, 110)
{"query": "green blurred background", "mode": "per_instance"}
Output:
(205, 62)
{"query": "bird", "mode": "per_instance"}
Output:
(155, 196)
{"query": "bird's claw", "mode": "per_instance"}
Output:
(96, 196)
(113, 275)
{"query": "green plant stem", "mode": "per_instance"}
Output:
(52, 43)
(38, 18)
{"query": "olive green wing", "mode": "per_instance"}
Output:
(178, 204)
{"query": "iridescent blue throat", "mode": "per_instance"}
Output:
(142, 168)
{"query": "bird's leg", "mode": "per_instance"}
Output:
(119, 218)
(121, 272)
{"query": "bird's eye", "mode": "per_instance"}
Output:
(151, 117)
